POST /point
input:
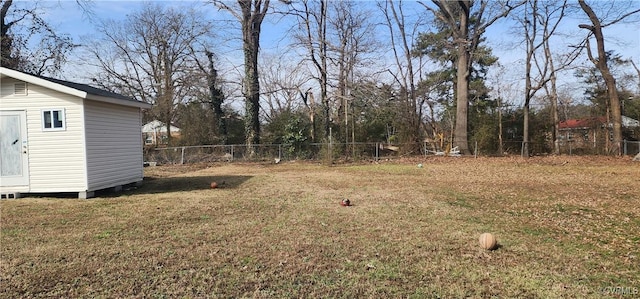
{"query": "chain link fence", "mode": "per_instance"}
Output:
(283, 152)
(352, 151)
(597, 148)
(567, 147)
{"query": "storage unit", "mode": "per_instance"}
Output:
(60, 136)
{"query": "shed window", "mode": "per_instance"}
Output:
(53, 120)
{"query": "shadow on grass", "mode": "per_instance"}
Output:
(154, 185)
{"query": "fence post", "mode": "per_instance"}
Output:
(475, 151)
(377, 149)
(570, 148)
(624, 152)
(330, 149)
(182, 156)
(424, 149)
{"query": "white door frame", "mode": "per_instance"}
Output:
(14, 146)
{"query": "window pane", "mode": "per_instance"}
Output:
(47, 119)
(57, 119)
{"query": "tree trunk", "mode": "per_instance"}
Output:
(552, 91)
(553, 97)
(616, 115)
(168, 93)
(6, 41)
(528, 88)
(251, 21)
(324, 81)
(462, 81)
(312, 113)
(500, 141)
(216, 100)
(525, 129)
(610, 81)
(251, 85)
(324, 98)
(524, 151)
(556, 117)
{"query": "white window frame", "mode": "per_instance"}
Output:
(62, 116)
(148, 139)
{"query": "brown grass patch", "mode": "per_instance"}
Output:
(567, 227)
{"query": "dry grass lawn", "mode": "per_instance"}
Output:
(567, 227)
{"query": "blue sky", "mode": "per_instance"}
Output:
(66, 16)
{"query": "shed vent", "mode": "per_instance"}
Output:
(20, 88)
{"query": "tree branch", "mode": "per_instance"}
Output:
(620, 18)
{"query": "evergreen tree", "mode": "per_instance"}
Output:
(440, 46)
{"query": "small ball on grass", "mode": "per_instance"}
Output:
(420, 165)
(345, 203)
(214, 185)
(488, 241)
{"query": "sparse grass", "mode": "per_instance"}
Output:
(567, 227)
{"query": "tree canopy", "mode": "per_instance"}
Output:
(330, 70)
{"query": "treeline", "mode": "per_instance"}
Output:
(353, 71)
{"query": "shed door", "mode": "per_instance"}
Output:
(14, 170)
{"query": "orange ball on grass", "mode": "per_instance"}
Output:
(488, 241)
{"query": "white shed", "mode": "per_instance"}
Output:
(60, 136)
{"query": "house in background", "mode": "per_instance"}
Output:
(59, 136)
(591, 133)
(154, 133)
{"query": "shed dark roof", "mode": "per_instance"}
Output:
(89, 89)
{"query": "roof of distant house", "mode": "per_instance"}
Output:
(157, 126)
(585, 123)
(582, 123)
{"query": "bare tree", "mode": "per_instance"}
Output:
(552, 67)
(595, 30)
(216, 97)
(540, 21)
(350, 40)
(250, 14)
(22, 27)
(150, 56)
(312, 36)
(503, 90)
(402, 33)
(281, 80)
(467, 35)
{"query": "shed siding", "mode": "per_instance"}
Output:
(114, 145)
(56, 158)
